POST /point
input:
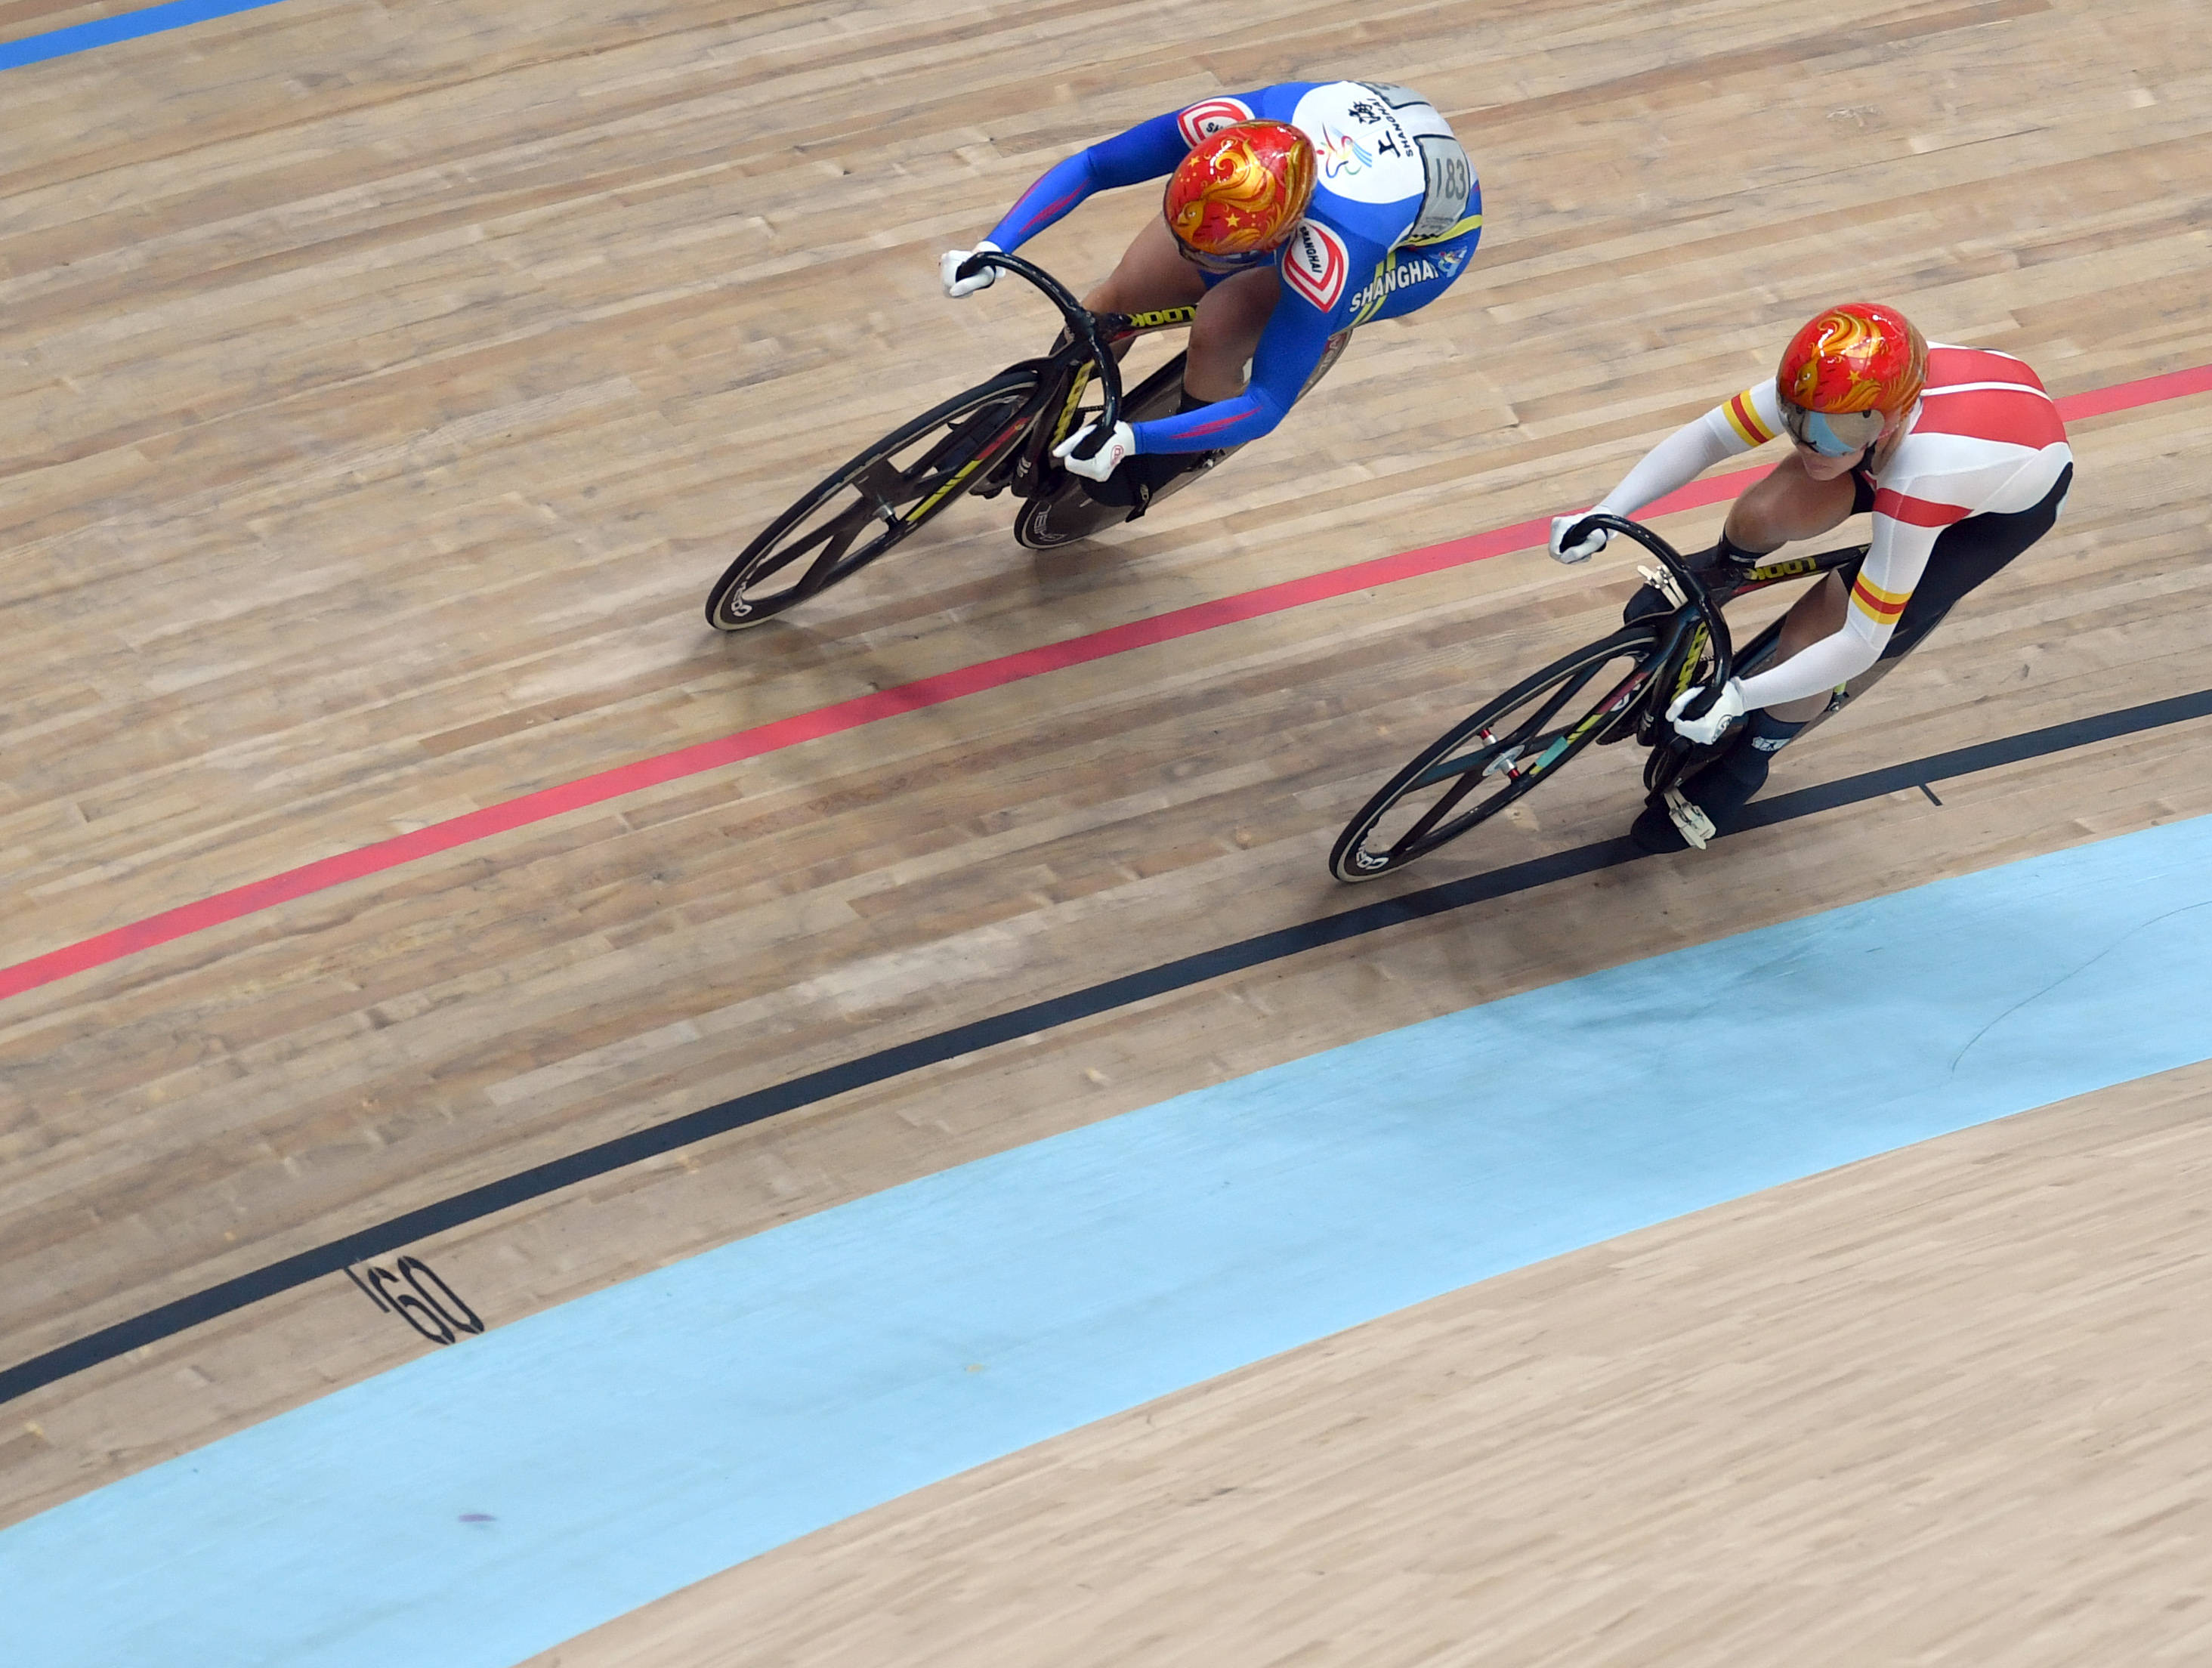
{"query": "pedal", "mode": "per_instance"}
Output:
(1689, 820)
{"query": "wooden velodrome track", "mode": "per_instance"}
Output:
(383, 385)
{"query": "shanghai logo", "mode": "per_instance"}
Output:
(1341, 154)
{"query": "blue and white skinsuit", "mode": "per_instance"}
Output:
(1395, 215)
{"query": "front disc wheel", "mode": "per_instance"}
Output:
(1484, 763)
(860, 512)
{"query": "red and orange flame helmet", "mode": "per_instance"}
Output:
(1861, 356)
(1239, 194)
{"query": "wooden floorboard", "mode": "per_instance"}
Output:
(386, 384)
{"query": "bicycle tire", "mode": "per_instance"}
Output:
(978, 426)
(1447, 770)
(1062, 516)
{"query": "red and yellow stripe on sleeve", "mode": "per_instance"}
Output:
(1743, 417)
(1882, 607)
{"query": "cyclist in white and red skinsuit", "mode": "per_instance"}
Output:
(1958, 452)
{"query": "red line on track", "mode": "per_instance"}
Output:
(257, 895)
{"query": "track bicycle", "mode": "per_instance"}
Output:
(996, 437)
(1610, 690)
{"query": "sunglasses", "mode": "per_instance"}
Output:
(1831, 434)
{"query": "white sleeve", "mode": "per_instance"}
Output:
(1894, 562)
(1728, 430)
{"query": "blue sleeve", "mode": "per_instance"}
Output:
(1145, 152)
(1291, 347)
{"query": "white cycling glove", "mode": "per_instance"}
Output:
(1120, 445)
(1574, 553)
(948, 268)
(1707, 729)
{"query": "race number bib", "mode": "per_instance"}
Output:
(1379, 143)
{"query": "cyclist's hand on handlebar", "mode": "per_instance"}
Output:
(1706, 729)
(1582, 549)
(949, 263)
(1120, 445)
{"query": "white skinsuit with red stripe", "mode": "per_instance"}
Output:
(1984, 440)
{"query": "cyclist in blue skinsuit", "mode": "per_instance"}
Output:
(1393, 217)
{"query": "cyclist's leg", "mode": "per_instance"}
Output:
(1788, 504)
(1223, 339)
(1232, 310)
(1722, 786)
(1226, 334)
(1795, 500)
(1150, 274)
(1819, 614)
(1812, 618)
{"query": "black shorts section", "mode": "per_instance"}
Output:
(1966, 554)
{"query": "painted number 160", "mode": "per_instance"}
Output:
(439, 1318)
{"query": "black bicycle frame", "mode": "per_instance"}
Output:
(1081, 325)
(1702, 604)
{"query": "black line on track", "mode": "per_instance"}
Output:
(231, 1296)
